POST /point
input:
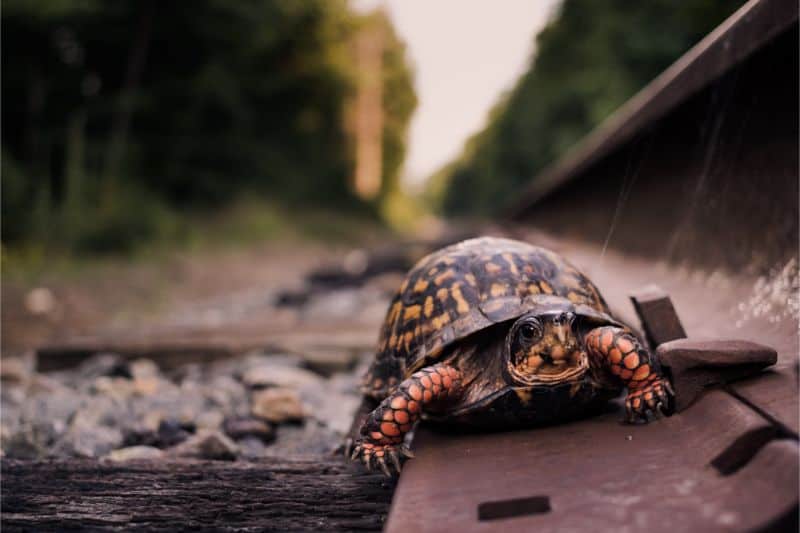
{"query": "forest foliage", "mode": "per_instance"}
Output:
(121, 116)
(589, 59)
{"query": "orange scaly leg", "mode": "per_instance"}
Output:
(383, 431)
(624, 356)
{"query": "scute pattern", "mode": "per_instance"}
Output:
(464, 288)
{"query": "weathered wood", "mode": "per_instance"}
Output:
(695, 365)
(171, 348)
(169, 496)
(598, 474)
(657, 314)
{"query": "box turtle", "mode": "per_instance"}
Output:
(497, 333)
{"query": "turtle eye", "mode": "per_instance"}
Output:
(530, 332)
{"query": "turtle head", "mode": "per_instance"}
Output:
(543, 348)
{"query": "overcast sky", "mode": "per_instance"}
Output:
(465, 53)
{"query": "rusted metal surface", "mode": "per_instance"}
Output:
(775, 395)
(713, 183)
(695, 365)
(659, 319)
(598, 474)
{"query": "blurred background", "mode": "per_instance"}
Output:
(136, 132)
(134, 124)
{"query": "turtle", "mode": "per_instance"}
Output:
(494, 333)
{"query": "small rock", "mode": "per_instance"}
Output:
(133, 453)
(171, 433)
(167, 433)
(40, 301)
(90, 432)
(212, 419)
(278, 405)
(31, 441)
(42, 384)
(207, 444)
(240, 428)
(252, 448)
(327, 361)
(152, 420)
(89, 442)
(143, 368)
(279, 376)
(15, 369)
(146, 386)
(119, 388)
(104, 364)
(308, 439)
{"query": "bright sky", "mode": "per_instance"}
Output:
(465, 53)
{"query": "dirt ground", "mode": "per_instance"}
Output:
(197, 289)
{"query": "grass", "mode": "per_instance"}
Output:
(245, 223)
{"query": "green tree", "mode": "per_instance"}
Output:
(117, 110)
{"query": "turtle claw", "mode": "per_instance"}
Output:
(383, 467)
(367, 460)
(407, 452)
(382, 456)
(346, 447)
(649, 401)
(355, 453)
(395, 460)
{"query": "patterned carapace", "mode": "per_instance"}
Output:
(496, 332)
(462, 289)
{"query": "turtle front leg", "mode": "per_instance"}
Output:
(384, 429)
(625, 357)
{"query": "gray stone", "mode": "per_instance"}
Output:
(30, 441)
(143, 368)
(278, 405)
(334, 403)
(89, 442)
(211, 419)
(240, 428)
(227, 394)
(16, 369)
(207, 444)
(133, 453)
(251, 448)
(279, 376)
(116, 387)
(327, 361)
(310, 439)
(93, 430)
(103, 364)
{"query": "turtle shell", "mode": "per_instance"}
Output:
(467, 287)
